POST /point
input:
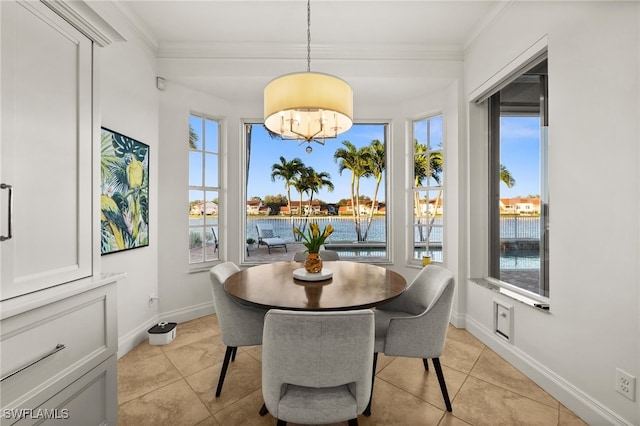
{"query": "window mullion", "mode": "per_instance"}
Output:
(494, 185)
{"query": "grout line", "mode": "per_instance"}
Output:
(245, 351)
(502, 386)
(151, 391)
(410, 394)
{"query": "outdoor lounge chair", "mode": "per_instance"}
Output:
(267, 237)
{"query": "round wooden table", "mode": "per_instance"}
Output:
(353, 286)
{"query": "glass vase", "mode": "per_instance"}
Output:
(313, 263)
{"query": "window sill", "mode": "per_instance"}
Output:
(201, 268)
(416, 265)
(541, 304)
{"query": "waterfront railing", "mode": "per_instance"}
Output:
(512, 228)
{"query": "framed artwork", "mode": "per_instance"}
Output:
(124, 198)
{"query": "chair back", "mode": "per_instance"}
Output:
(421, 293)
(239, 325)
(429, 299)
(328, 255)
(265, 230)
(317, 350)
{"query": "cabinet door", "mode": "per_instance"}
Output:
(46, 149)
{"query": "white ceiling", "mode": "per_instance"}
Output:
(387, 50)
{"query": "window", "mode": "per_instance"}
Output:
(341, 182)
(518, 183)
(428, 189)
(204, 187)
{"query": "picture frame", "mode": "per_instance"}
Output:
(124, 196)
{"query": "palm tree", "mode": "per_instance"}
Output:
(315, 182)
(301, 183)
(193, 138)
(506, 177)
(425, 168)
(375, 165)
(287, 171)
(353, 159)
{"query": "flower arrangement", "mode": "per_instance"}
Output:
(314, 238)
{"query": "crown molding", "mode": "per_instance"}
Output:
(259, 50)
(86, 20)
(496, 12)
(136, 25)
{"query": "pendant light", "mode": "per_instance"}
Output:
(308, 106)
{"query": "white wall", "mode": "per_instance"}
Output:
(186, 295)
(129, 103)
(593, 326)
(594, 323)
(446, 102)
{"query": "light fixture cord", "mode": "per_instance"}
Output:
(308, 35)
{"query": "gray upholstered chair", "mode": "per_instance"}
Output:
(317, 366)
(328, 255)
(240, 325)
(415, 324)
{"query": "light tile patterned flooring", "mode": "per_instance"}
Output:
(174, 385)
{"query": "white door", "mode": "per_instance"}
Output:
(46, 149)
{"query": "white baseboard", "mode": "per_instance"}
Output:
(134, 337)
(457, 320)
(586, 407)
(139, 334)
(187, 314)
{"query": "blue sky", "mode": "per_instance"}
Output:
(265, 152)
(520, 140)
(520, 153)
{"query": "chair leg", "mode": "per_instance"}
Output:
(426, 364)
(353, 422)
(281, 423)
(223, 372)
(263, 410)
(443, 385)
(367, 411)
(233, 354)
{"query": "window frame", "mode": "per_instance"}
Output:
(204, 263)
(428, 188)
(387, 125)
(494, 114)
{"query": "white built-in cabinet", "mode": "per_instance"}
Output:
(58, 326)
(46, 150)
(58, 352)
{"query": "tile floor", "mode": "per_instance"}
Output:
(174, 385)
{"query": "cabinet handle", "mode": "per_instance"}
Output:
(58, 348)
(10, 210)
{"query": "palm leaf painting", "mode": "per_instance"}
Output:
(124, 199)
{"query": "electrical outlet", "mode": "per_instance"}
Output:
(626, 384)
(152, 300)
